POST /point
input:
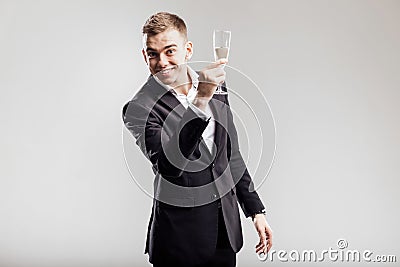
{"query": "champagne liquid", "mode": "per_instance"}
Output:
(221, 52)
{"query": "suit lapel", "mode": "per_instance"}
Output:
(165, 98)
(218, 108)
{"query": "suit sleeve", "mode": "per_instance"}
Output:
(169, 155)
(248, 198)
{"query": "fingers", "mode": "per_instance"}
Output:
(262, 245)
(269, 234)
(213, 73)
(217, 63)
(221, 61)
(210, 77)
(220, 77)
(265, 243)
(261, 248)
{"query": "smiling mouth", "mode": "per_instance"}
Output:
(166, 71)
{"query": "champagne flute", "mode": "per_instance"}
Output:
(221, 43)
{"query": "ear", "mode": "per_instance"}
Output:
(189, 50)
(145, 57)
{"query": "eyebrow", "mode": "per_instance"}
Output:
(165, 47)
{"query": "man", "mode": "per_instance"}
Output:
(189, 136)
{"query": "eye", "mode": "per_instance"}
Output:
(151, 54)
(170, 51)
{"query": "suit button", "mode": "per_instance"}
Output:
(213, 165)
(214, 196)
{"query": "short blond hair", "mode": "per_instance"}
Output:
(163, 21)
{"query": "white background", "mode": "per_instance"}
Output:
(329, 69)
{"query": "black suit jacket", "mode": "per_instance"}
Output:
(190, 182)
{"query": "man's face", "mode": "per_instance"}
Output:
(165, 54)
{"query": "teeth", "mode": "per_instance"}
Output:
(165, 71)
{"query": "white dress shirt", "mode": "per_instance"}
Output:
(187, 101)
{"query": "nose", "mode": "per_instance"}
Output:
(163, 61)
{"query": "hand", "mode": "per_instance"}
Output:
(209, 78)
(264, 232)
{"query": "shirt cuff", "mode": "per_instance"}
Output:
(259, 212)
(199, 112)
